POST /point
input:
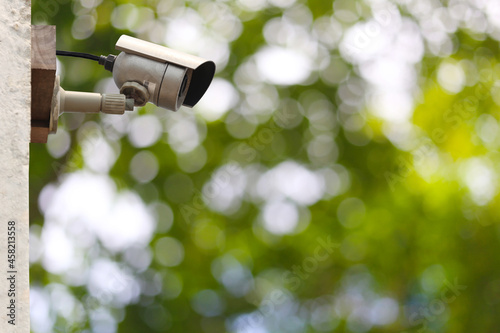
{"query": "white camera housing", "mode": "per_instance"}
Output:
(165, 77)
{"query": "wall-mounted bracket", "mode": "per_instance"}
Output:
(43, 75)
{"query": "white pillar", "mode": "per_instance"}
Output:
(15, 97)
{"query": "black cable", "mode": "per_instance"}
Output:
(107, 62)
(78, 55)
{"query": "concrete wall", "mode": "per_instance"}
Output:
(15, 91)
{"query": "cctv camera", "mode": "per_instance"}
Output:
(144, 72)
(165, 77)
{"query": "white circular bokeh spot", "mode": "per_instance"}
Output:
(280, 217)
(144, 166)
(283, 66)
(220, 97)
(144, 131)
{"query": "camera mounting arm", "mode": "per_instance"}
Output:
(84, 102)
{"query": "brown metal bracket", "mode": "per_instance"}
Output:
(43, 75)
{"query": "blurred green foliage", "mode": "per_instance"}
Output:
(387, 147)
